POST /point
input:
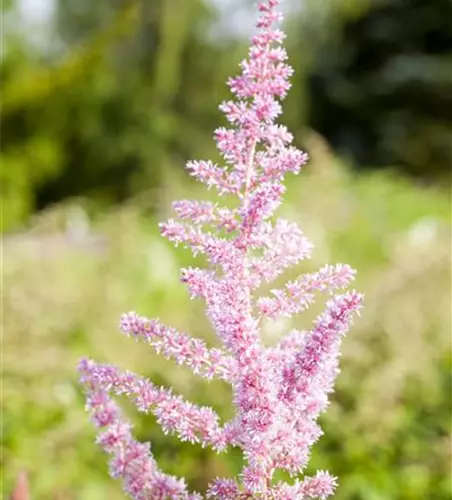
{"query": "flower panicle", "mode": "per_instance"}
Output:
(279, 391)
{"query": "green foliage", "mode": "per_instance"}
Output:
(380, 84)
(109, 96)
(68, 280)
(107, 109)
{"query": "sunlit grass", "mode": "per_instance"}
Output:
(386, 432)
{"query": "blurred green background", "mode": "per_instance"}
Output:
(102, 105)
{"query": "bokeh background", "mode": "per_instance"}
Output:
(103, 103)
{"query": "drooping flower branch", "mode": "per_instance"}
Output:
(279, 391)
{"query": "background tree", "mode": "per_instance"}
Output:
(109, 105)
(113, 95)
(381, 86)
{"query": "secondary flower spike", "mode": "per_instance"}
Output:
(278, 391)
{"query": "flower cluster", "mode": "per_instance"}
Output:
(279, 391)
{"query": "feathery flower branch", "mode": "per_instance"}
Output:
(278, 391)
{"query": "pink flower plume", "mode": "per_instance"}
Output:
(278, 391)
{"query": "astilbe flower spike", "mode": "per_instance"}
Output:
(278, 391)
